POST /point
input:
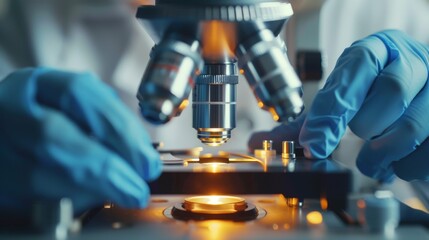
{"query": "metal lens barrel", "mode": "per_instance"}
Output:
(271, 76)
(214, 102)
(168, 79)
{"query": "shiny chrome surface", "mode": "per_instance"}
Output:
(168, 79)
(271, 76)
(288, 149)
(267, 145)
(213, 103)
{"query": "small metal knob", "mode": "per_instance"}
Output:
(288, 150)
(382, 213)
(266, 151)
(267, 145)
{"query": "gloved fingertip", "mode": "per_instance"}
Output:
(139, 198)
(313, 150)
(143, 200)
(369, 168)
(152, 164)
(123, 184)
(155, 170)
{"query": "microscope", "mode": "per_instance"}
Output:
(203, 45)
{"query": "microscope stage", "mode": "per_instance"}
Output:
(243, 174)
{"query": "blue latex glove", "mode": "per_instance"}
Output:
(379, 88)
(64, 134)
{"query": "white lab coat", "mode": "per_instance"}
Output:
(344, 21)
(103, 37)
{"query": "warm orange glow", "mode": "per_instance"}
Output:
(275, 226)
(244, 158)
(213, 144)
(214, 167)
(416, 203)
(184, 104)
(260, 104)
(137, 3)
(361, 204)
(213, 230)
(314, 218)
(264, 154)
(361, 211)
(324, 203)
(274, 114)
(214, 204)
(218, 40)
(285, 161)
(292, 202)
(281, 200)
(242, 71)
(211, 158)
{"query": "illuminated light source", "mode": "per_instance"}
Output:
(210, 158)
(215, 207)
(324, 203)
(214, 144)
(219, 40)
(214, 167)
(215, 204)
(214, 163)
(314, 218)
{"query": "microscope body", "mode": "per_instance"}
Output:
(203, 45)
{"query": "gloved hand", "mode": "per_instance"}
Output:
(379, 89)
(69, 135)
